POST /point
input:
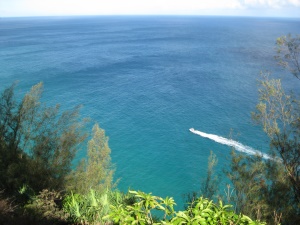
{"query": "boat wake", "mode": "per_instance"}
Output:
(238, 146)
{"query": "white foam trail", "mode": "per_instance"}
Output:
(238, 146)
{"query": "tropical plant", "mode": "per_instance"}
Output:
(204, 211)
(141, 212)
(201, 211)
(89, 208)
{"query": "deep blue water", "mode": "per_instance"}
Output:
(147, 80)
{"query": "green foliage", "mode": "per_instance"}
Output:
(117, 197)
(37, 146)
(288, 53)
(141, 212)
(279, 114)
(44, 208)
(261, 190)
(276, 110)
(204, 211)
(210, 184)
(87, 209)
(201, 211)
(270, 190)
(37, 143)
(247, 177)
(95, 172)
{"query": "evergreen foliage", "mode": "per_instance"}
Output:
(95, 172)
(270, 190)
(279, 114)
(288, 53)
(246, 175)
(210, 185)
(37, 143)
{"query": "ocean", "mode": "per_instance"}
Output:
(147, 80)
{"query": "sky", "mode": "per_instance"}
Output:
(258, 8)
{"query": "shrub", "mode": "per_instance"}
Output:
(201, 211)
(45, 208)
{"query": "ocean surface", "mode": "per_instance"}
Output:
(147, 81)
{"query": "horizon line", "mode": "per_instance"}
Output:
(153, 15)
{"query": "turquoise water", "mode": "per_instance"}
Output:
(147, 80)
